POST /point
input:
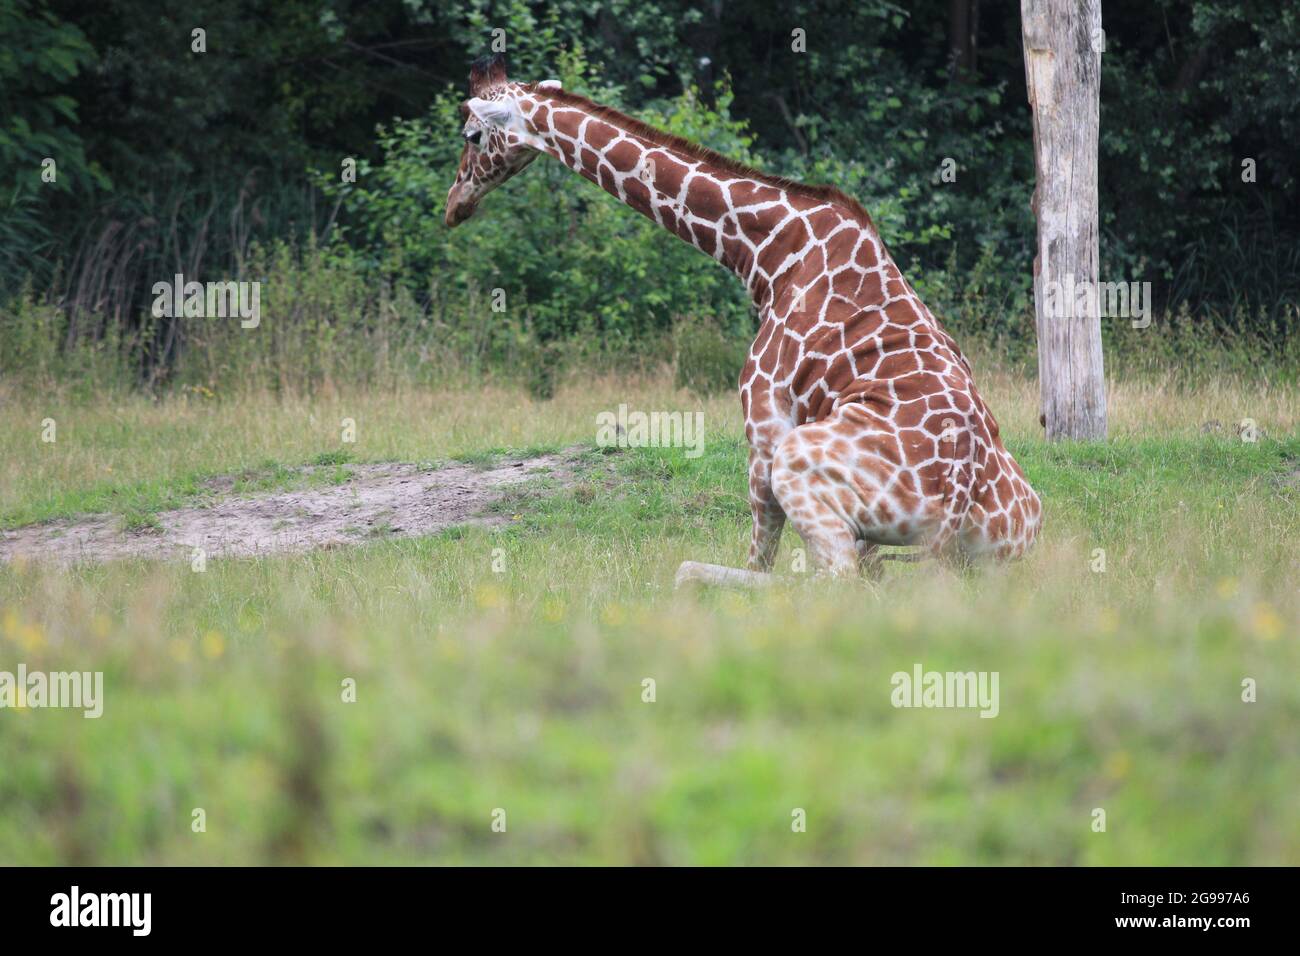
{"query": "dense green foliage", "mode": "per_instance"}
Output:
(218, 162)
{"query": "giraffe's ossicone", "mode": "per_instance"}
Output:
(864, 424)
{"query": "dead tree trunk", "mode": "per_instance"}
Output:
(1063, 40)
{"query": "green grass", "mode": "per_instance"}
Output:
(521, 688)
(140, 521)
(332, 458)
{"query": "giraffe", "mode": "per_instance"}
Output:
(861, 413)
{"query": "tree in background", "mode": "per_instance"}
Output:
(1063, 44)
(41, 147)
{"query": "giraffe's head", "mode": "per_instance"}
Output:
(497, 145)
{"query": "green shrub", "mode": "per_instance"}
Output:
(706, 358)
(566, 260)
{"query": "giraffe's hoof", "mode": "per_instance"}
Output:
(687, 573)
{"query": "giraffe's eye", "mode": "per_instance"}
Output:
(473, 137)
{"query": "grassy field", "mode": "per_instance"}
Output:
(503, 669)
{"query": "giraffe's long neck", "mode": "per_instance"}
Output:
(755, 229)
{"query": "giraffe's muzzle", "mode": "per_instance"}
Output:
(459, 206)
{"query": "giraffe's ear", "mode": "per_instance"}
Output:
(492, 112)
(550, 85)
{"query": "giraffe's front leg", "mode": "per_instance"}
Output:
(768, 516)
(768, 520)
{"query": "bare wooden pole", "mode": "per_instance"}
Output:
(1062, 41)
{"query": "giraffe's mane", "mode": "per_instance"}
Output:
(817, 193)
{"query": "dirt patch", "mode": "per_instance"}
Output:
(388, 500)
